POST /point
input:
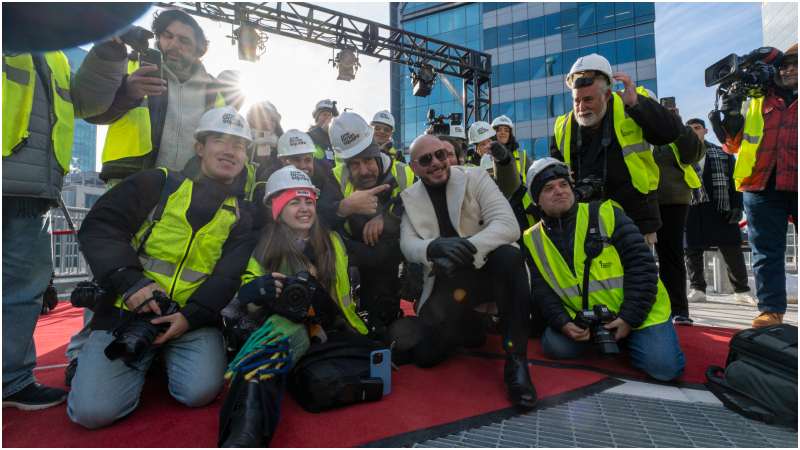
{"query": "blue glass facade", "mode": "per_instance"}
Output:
(533, 45)
(84, 144)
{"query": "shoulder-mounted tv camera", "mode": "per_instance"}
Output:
(739, 77)
(440, 125)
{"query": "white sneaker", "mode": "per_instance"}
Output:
(745, 298)
(696, 296)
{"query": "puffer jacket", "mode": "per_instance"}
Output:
(641, 274)
(672, 188)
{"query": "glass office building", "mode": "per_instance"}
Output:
(84, 143)
(533, 46)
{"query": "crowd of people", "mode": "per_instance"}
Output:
(209, 210)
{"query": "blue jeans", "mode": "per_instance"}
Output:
(767, 220)
(104, 390)
(654, 350)
(27, 266)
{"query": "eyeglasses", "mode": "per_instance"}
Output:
(427, 159)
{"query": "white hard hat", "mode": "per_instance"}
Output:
(487, 162)
(350, 135)
(503, 120)
(457, 131)
(384, 117)
(538, 167)
(593, 62)
(287, 177)
(224, 120)
(295, 142)
(325, 104)
(480, 131)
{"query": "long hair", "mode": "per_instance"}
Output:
(276, 249)
(512, 145)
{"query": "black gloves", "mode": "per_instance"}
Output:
(448, 254)
(731, 104)
(260, 291)
(500, 153)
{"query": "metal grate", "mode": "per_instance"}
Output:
(617, 420)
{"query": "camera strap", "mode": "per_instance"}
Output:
(605, 143)
(171, 184)
(592, 247)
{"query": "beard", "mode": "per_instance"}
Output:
(592, 119)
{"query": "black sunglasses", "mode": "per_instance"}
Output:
(427, 159)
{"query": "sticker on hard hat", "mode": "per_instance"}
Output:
(303, 193)
(232, 119)
(297, 175)
(384, 115)
(296, 141)
(349, 138)
(482, 130)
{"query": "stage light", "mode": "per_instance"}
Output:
(422, 80)
(347, 63)
(250, 43)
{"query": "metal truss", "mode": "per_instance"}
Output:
(333, 29)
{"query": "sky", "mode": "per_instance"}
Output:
(294, 75)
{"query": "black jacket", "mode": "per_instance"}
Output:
(672, 188)
(659, 126)
(106, 233)
(639, 282)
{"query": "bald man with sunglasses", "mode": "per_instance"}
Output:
(459, 225)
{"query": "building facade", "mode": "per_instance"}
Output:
(779, 24)
(533, 46)
(84, 147)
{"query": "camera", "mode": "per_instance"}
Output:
(295, 300)
(589, 188)
(594, 319)
(138, 38)
(744, 76)
(439, 125)
(88, 294)
(133, 337)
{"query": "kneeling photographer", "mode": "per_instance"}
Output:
(595, 278)
(168, 249)
(299, 311)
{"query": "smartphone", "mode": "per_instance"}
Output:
(380, 366)
(153, 57)
(668, 102)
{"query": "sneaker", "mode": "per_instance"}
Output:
(35, 397)
(745, 298)
(69, 372)
(682, 320)
(766, 319)
(696, 296)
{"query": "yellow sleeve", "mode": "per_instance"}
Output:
(253, 271)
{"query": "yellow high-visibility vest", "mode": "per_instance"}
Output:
(400, 171)
(689, 175)
(751, 139)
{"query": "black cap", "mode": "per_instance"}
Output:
(551, 173)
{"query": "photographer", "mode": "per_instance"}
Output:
(504, 129)
(622, 277)
(294, 246)
(324, 111)
(369, 211)
(764, 134)
(164, 240)
(606, 141)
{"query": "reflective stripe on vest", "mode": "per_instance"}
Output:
(250, 184)
(751, 139)
(174, 256)
(130, 135)
(606, 272)
(19, 85)
(637, 153)
(521, 158)
(689, 175)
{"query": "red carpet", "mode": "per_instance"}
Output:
(460, 388)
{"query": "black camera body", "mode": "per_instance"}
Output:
(594, 319)
(134, 336)
(88, 294)
(744, 76)
(591, 187)
(440, 125)
(137, 37)
(295, 300)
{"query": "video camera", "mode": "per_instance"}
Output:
(744, 76)
(439, 126)
(594, 319)
(134, 336)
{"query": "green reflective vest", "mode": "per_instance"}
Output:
(19, 78)
(526, 203)
(129, 136)
(751, 139)
(689, 174)
(605, 274)
(342, 290)
(400, 171)
(174, 256)
(521, 157)
(637, 153)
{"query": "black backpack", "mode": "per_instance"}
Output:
(760, 376)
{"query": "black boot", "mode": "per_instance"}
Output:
(518, 382)
(250, 413)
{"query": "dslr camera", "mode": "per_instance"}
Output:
(295, 300)
(594, 319)
(88, 294)
(440, 125)
(744, 76)
(591, 187)
(133, 337)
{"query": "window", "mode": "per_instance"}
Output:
(473, 33)
(555, 107)
(585, 41)
(519, 31)
(644, 12)
(525, 144)
(605, 17)
(568, 58)
(459, 18)
(490, 38)
(609, 51)
(649, 84)
(587, 50)
(553, 64)
(623, 14)
(569, 19)
(522, 70)
(645, 47)
(539, 108)
(626, 51)
(447, 21)
(586, 18)
(537, 67)
(506, 73)
(522, 110)
(506, 109)
(433, 25)
(536, 27)
(473, 13)
(624, 33)
(495, 81)
(503, 35)
(541, 148)
(552, 24)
